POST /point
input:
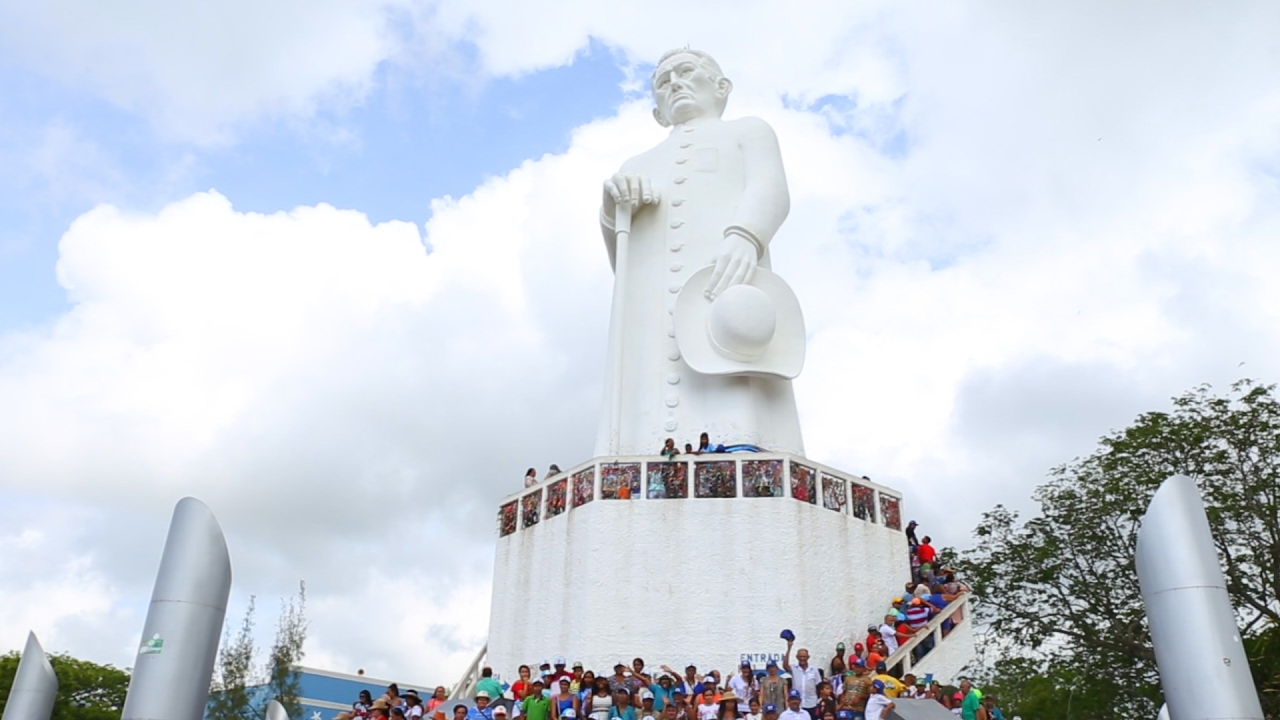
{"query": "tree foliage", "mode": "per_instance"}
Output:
(286, 652)
(86, 690)
(229, 697)
(1059, 591)
(240, 689)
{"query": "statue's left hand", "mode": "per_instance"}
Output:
(735, 264)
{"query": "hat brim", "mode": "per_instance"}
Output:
(784, 357)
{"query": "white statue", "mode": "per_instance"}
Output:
(717, 356)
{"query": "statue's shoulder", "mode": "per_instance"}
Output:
(752, 127)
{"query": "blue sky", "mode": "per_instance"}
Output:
(413, 138)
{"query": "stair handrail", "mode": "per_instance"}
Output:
(903, 653)
(465, 688)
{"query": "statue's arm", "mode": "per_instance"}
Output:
(765, 200)
(609, 233)
(625, 181)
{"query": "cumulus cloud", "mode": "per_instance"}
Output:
(1011, 231)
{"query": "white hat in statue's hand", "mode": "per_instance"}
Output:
(754, 328)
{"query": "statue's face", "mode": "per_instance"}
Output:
(684, 90)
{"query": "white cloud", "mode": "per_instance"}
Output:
(197, 69)
(1017, 231)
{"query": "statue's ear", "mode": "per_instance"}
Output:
(662, 120)
(725, 86)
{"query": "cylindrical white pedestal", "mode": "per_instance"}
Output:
(705, 580)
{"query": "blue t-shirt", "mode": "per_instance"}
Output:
(660, 697)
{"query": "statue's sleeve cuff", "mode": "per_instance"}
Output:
(745, 234)
(606, 221)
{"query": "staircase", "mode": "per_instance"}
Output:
(951, 652)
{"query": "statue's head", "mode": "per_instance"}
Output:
(688, 84)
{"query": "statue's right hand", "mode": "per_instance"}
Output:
(634, 189)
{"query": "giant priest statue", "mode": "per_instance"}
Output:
(703, 336)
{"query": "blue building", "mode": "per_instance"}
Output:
(323, 693)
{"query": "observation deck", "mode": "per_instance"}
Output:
(703, 558)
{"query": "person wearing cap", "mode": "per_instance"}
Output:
(837, 664)
(647, 706)
(804, 677)
(708, 707)
(911, 535)
(844, 715)
(892, 686)
(661, 690)
(536, 705)
(744, 684)
(769, 712)
(565, 700)
(918, 615)
(773, 687)
(559, 672)
(669, 712)
(482, 709)
(878, 704)
(380, 708)
(575, 679)
(794, 711)
(499, 712)
(622, 708)
(678, 698)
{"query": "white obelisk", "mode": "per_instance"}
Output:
(35, 686)
(1203, 669)
(180, 637)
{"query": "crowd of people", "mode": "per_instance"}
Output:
(854, 685)
(668, 450)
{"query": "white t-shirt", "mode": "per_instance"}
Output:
(889, 634)
(805, 681)
(708, 712)
(789, 714)
(876, 705)
(743, 689)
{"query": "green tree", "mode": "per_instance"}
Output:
(86, 690)
(286, 652)
(229, 697)
(1059, 591)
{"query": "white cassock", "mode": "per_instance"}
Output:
(710, 174)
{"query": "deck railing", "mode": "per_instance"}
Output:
(957, 611)
(714, 475)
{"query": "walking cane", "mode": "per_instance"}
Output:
(622, 236)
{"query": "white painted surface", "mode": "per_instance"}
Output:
(949, 657)
(712, 192)
(698, 579)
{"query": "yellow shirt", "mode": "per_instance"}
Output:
(892, 686)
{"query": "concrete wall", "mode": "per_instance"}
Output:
(948, 658)
(707, 580)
